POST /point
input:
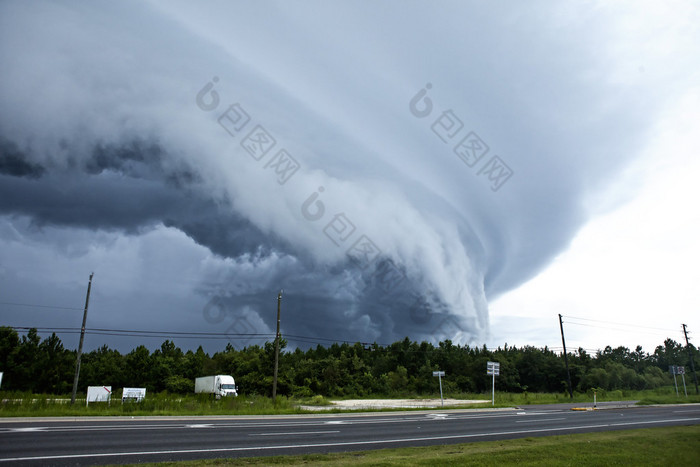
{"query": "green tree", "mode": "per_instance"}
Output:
(55, 365)
(136, 368)
(25, 362)
(9, 348)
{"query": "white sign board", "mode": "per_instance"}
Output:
(438, 373)
(493, 368)
(0, 378)
(99, 394)
(133, 394)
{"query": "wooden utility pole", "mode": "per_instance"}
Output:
(80, 346)
(690, 356)
(277, 347)
(566, 358)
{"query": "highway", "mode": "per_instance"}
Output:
(119, 440)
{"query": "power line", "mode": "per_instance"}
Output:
(138, 333)
(42, 306)
(618, 324)
(177, 334)
(618, 329)
(240, 336)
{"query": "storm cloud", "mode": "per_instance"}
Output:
(393, 172)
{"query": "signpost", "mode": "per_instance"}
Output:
(440, 374)
(678, 370)
(493, 369)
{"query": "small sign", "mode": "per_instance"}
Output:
(676, 370)
(98, 394)
(133, 394)
(438, 373)
(493, 368)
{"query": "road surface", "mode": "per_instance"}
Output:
(95, 441)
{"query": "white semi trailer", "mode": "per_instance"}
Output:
(219, 385)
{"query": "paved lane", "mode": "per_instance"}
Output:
(127, 440)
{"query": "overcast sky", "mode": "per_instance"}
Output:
(465, 170)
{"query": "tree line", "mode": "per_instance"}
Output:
(402, 368)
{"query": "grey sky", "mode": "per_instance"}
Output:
(110, 162)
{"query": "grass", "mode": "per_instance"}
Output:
(650, 446)
(32, 405)
(17, 404)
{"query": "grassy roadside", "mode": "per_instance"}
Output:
(32, 405)
(38, 405)
(649, 446)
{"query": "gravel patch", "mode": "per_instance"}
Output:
(365, 404)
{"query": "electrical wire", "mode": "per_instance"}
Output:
(618, 324)
(42, 306)
(618, 329)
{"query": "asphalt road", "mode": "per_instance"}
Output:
(97, 441)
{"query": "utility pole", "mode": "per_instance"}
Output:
(690, 355)
(566, 358)
(277, 347)
(80, 346)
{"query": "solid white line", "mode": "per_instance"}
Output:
(149, 427)
(540, 420)
(294, 433)
(349, 443)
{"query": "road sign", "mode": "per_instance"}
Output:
(676, 370)
(493, 368)
(440, 374)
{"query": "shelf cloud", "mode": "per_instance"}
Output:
(393, 172)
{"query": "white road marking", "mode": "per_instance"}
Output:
(540, 420)
(348, 443)
(99, 428)
(129, 426)
(30, 428)
(294, 433)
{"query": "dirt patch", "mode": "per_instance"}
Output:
(373, 404)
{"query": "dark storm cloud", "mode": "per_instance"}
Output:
(114, 118)
(14, 163)
(125, 188)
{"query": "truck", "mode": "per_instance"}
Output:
(218, 385)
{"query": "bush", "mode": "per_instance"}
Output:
(179, 385)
